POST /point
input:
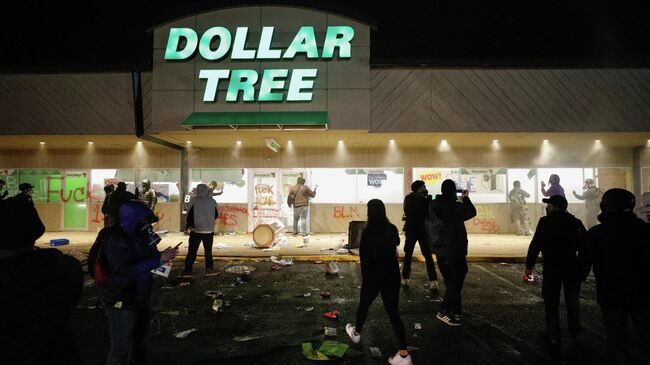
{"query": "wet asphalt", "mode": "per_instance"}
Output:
(502, 324)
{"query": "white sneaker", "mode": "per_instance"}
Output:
(349, 328)
(399, 360)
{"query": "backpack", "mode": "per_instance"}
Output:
(97, 264)
(438, 233)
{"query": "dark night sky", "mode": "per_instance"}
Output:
(111, 35)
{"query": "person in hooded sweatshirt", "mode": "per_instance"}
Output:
(130, 254)
(200, 223)
(555, 188)
(451, 251)
(380, 275)
(558, 237)
(618, 249)
(39, 289)
(117, 198)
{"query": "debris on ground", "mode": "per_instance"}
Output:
(311, 354)
(245, 338)
(417, 326)
(240, 269)
(217, 306)
(237, 281)
(59, 242)
(330, 331)
(213, 294)
(332, 314)
(306, 295)
(333, 348)
(326, 294)
(309, 309)
(283, 262)
(184, 284)
(185, 333)
(266, 296)
(276, 267)
(221, 245)
(375, 352)
(332, 268)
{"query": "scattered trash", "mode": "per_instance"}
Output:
(213, 294)
(184, 284)
(240, 269)
(245, 338)
(342, 250)
(276, 267)
(217, 306)
(314, 289)
(531, 279)
(283, 262)
(417, 326)
(274, 248)
(266, 296)
(326, 294)
(311, 354)
(333, 348)
(332, 314)
(330, 331)
(167, 287)
(306, 295)
(298, 308)
(185, 333)
(239, 297)
(332, 268)
(211, 274)
(309, 309)
(375, 352)
(221, 246)
(237, 281)
(163, 270)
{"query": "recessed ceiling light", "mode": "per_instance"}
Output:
(238, 142)
(42, 143)
(443, 141)
(188, 142)
(392, 141)
(91, 142)
(139, 142)
(545, 141)
(597, 141)
(495, 141)
(340, 141)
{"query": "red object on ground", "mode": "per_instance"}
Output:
(530, 279)
(332, 314)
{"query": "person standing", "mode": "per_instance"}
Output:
(519, 211)
(40, 290)
(380, 275)
(216, 188)
(619, 252)
(298, 199)
(148, 195)
(555, 188)
(416, 208)
(118, 197)
(26, 192)
(451, 248)
(558, 237)
(200, 223)
(591, 196)
(127, 295)
(108, 190)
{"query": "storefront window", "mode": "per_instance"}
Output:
(335, 186)
(102, 177)
(434, 176)
(527, 178)
(384, 184)
(165, 183)
(232, 182)
(47, 184)
(571, 179)
(357, 186)
(10, 177)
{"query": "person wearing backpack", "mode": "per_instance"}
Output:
(416, 208)
(448, 237)
(129, 252)
(380, 275)
(200, 223)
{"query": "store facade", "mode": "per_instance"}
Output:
(258, 96)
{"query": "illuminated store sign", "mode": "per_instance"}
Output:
(217, 42)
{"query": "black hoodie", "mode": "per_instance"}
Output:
(619, 251)
(453, 213)
(558, 236)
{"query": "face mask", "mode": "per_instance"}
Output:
(147, 235)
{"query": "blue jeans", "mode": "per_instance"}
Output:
(127, 329)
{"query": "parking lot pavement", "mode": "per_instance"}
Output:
(502, 318)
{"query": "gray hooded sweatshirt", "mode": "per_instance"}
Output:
(203, 212)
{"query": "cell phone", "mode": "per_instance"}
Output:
(459, 192)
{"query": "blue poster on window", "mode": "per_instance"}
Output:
(376, 179)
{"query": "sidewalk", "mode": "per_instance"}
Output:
(482, 247)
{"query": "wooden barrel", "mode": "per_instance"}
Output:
(266, 235)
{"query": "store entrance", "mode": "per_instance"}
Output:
(268, 196)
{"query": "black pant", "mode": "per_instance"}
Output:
(616, 329)
(420, 236)
(390, 297)
(195, 239)
(453, 270)
(554, 279)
